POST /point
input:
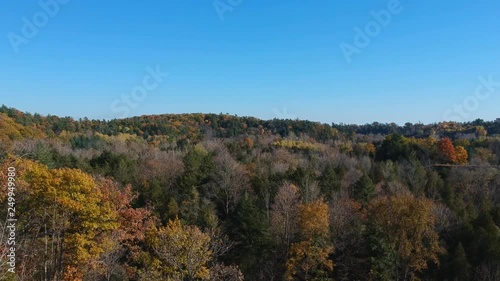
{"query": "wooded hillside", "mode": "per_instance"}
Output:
(221, 197)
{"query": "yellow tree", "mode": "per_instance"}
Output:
(62, 216)
(370, 148)
(314, 219)
(184, 251)
(11, 130)
(402, 236)
(461, 155)
(309, 258)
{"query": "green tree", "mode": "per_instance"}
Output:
(249, 228)
(461, 267)
(363, 190)
(394, 147)
(329, 181)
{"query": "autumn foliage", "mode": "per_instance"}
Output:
(404, 233)
(447, 150)
(309, 258)
(219, 197)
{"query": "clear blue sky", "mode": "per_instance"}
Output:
(279, 58)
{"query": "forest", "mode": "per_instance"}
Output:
(222, 197)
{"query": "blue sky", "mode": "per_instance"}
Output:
(268, 59)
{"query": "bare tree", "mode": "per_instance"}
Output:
(284, 213)
(310, 189)
(108, 263)
(446, 220)
(414, 174)
(488, 271)
(230, 181)
(219, 242)
(351, 177)
(154, 163)
(221, 272)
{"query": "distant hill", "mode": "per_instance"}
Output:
(194, 126)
